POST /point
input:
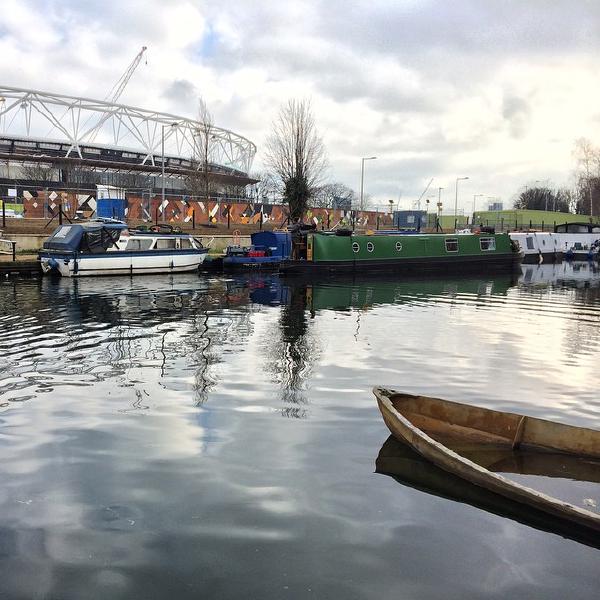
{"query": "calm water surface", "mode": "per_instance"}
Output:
(216, 437)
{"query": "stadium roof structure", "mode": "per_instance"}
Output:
(43, 127)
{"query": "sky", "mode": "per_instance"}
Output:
(496, 90)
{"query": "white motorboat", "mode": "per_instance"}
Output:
(538, 246)
(575, 241)
(108, 247)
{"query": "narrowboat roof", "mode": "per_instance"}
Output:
(577, 227)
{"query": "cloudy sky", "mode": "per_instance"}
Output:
(496, 90)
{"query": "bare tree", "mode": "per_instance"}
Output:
(199, 181)
(266, 188)
(544, 198)
(295, 153)
(38, 172)
(588, 173)
(334, 195)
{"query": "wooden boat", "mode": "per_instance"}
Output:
(467, 441)
(406, 466)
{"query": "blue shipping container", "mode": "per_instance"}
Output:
(111, 208)
(410, 219)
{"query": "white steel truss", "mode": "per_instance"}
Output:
(27, 113)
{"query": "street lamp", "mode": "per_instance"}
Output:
(362, 176)
(475, 196)
(456, 198)
(172, 125)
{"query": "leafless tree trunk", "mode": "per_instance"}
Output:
(588, 163)
(295, 153)
(200, 184)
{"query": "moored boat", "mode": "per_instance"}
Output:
(453, 436)
(108, 247)
(417, 253)
(579, 241)
(539, 246)
(266, 252)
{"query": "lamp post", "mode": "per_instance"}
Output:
(456, 198)
(475, 196)
(172, 125)
(362, 177)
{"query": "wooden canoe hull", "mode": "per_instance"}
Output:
(406, 431)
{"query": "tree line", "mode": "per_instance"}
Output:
(582, 198)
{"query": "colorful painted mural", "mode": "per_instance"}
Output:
(182, 210)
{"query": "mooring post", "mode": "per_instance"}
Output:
(14, 251)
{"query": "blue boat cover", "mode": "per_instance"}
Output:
(91, 237)
(278, 242)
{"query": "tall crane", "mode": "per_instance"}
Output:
(115, 93)
(117, 89)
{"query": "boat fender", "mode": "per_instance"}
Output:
(53, 263)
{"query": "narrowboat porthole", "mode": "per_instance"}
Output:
(355, 246)
(399, 246)
(370, 246)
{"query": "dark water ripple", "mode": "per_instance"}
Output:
(185, 437)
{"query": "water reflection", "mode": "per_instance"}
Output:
(409, 468)
(145, 453)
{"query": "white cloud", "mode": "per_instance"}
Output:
(497, 91)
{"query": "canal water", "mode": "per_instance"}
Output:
(216, 437)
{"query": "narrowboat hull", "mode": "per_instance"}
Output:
(499, 263)
(251, 263)
(121, 262)
(414, 254)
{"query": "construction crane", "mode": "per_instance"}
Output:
(117, 90)
(114, 95)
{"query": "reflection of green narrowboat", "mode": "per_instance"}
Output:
(409, 253)
(367, 292)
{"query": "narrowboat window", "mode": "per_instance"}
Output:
(355, 246)
(370, 246)
(399, 246)
(139, 244)
(487, 244)
(185, 243)
(165, 243)
(529, 243)
(452, 245)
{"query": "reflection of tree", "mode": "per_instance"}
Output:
(293, 353)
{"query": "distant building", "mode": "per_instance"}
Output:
(495, 206)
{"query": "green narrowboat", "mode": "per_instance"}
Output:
(314, 252)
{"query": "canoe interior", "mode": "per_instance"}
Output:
(470, 429)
